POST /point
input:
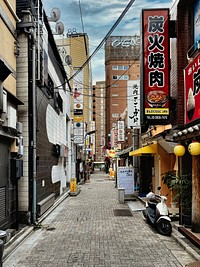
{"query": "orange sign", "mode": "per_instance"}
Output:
(111, 153)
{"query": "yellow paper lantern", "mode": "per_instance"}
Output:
(194, 148)
(179, 150)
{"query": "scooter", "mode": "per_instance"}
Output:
(157, 214)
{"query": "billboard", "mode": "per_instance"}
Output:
(120, 131)
(78, 109)
(196, 23)
(191, 91)
(155, 58)
(133, 103)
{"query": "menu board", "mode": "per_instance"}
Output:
(125, 179)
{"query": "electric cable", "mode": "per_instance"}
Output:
(105, 38)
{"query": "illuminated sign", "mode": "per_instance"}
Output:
(156, 65)
(192, 91)
(126, 41)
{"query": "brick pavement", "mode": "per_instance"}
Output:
(83, 232)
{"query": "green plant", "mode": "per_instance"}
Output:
(181, 186)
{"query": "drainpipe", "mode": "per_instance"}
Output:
(32, 33)
(34, 125)
(70, 151)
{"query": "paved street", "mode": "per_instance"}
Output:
(83, 231)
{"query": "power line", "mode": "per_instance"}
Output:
(105, 38)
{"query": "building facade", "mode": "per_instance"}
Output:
(74, 51)
(10, 127)
(99, 116)
(122, 60)
(43, 87)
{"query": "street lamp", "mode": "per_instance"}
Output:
(87, 178)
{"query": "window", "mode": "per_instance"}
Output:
(118, 77)
(115, 115)
(119, 67)
(58, 103)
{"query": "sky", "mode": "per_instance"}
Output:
(98, 17)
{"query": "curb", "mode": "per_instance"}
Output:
(178, 237)
(18, 238)
(16, 241)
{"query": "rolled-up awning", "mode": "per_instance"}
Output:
(125, 151)
(151, 149)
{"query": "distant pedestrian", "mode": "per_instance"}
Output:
(107, 164)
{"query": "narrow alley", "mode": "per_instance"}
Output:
(85, 231)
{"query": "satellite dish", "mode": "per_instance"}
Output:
(59, 28)
(55, 14)
(68, 59)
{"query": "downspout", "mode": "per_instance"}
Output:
(70, 151)
(32, 32)
(34, 125)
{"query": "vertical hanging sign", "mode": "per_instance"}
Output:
(133, 103)
(155, 26)
(120, 131)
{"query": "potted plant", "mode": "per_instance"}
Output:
(181, 186)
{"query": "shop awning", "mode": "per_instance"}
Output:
(151, 149)
(125, 151)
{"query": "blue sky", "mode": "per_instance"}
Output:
(98, 16)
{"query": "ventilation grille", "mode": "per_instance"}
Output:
(3, 203)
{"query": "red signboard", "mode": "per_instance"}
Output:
(155, 24)
(192, 91)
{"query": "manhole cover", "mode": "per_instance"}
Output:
(123, 212)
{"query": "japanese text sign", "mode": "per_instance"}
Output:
(120, 131)
(133, 103)
(156, 82)
(192, 91)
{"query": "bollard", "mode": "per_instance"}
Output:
(3, 236)
(1, 251)
(121, 193)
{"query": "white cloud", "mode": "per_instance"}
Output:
(98, 18)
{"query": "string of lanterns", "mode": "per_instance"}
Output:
(193, 149)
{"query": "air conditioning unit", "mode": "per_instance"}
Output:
(11, 119)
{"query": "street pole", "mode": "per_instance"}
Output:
(86, 154)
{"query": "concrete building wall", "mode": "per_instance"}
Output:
(122, 64)
(22, 92)
(79, 51)
(8, 25)
(100, 120)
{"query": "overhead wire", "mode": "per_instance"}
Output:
(96, 50)
(105, 38)
(101, 43)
